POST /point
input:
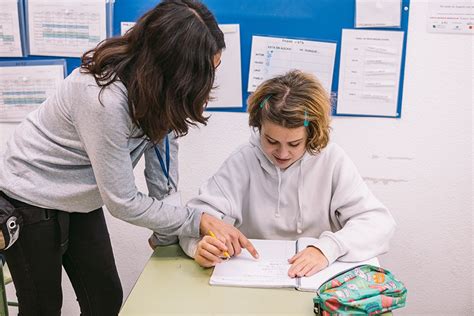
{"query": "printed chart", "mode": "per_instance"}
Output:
(10, 40)
(272, 56)
(65, 28)
(24, 88)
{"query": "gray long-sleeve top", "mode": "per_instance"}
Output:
(75, 154)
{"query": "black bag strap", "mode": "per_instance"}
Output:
(9, 223)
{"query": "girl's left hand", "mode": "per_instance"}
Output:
(307, 262)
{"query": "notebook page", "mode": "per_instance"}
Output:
(312, 283)
(269, 271)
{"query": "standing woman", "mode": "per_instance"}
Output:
(77, 151)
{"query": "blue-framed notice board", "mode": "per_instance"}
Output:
(311, 20)
(319, 20)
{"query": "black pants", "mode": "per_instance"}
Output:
(50, 239)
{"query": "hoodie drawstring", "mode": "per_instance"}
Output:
(299, 216)
(277, 214)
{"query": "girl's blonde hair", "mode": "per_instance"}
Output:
(293, 100)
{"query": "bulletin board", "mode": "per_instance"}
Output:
(318, 20)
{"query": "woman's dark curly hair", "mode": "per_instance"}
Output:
(166, 62)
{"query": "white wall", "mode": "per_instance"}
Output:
(420, 166)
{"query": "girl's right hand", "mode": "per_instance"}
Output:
(233, 238)
(209, 252)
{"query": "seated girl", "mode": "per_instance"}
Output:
(290, 181)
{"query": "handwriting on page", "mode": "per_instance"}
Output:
(270, 270)
(257, 273)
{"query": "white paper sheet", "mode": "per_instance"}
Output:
(65, 27)
(456, 17)
(270, 270)
(378, 13)
(273, 56)
(369, 72)
(23, 89)
(228, 81)
(10, 39)
(125, 26)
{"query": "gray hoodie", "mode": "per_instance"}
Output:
(319, 196)
(75, 154)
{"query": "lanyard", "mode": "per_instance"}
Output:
(165, 167)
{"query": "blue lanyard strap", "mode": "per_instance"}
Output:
(165, 168)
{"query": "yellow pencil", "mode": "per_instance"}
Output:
(226, 254)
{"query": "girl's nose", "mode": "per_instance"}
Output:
(283, 153)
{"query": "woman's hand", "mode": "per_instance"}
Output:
(209, 252)
(227, 234)
(307, 262)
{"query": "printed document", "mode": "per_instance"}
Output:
(65, 27)
(228, 82)
(271, 56)
(10, 39)
(455, 17)
(24, 88)
(378, 13)
(369, 72)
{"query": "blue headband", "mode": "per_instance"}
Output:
(305, 123)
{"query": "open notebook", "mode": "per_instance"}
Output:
(271, 269)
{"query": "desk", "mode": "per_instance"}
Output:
(171, 283)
